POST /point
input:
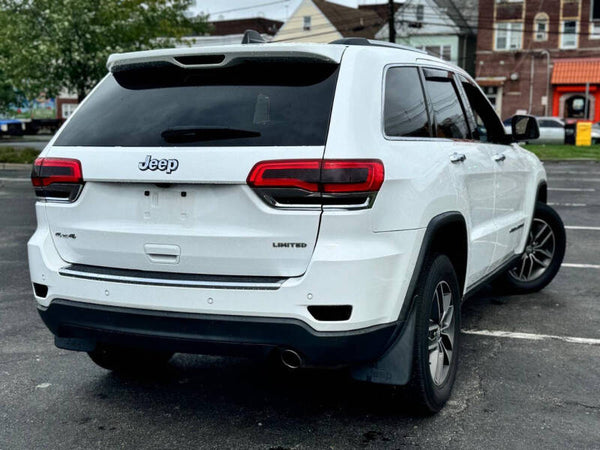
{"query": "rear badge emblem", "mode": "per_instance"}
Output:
(164, 165)
(289, 244)
(65, 235)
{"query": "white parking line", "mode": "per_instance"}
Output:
(15, 179)
(533, 337)
(571, 172)
(574, 227)
(581, 266)
(567, 204)
(575, 179)
(573, 189)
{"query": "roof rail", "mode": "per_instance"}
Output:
(253, 37)
(375, 43)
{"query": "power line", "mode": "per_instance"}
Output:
(442, 25)
(249, 7)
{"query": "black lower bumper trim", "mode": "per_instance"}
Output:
(88, 324)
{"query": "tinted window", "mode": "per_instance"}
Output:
(488, 125)
(549, 123)
(249, 104)
(449, 117)
(405, 112)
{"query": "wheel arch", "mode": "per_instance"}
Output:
(542, 192)
(447, 234)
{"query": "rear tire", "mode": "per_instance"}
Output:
(543, 255)
(437, 332)
(122, 359)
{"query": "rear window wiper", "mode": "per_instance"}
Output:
(205, 133)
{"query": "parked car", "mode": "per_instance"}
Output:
(596, 133)
(11, 127)
(302, 209)
(552, 130)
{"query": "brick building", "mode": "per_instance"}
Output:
(540, 56)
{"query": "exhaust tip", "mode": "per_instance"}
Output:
(291, 359)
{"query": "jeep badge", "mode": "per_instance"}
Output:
(168, 165)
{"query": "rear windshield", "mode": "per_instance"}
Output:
(254, 103)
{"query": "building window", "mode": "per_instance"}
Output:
(67, 109)
(509, 35)
(439, 51)
(595, 7)
(577, 107)
(595, 29)
(568, 35)
(420, 13)
(491, 92)
(540, 27)
(306, 23)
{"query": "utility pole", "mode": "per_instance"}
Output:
(391, 24)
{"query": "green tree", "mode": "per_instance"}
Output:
(50, 45)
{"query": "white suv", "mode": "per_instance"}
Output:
(330, 204)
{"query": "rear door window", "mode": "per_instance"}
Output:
(252, 103)
(405, 111)
(449, 117)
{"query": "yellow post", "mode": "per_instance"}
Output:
(583, 135)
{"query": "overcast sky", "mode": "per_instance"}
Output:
(272, 9)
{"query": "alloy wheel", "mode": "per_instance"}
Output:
(538, 253)
(441, 333)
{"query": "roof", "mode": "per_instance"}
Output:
(351, 22)
(239, 26)
(461, 12)
(576, 71)
(382, 9)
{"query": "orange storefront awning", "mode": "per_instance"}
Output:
(576, 71)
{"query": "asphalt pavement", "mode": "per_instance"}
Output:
(531, 386)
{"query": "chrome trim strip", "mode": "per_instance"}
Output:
(208, 284)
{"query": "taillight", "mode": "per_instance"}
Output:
(315, 182)
(57, 178)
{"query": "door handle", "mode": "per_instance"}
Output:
(457, 157)
(499, 157)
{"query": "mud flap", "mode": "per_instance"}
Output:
(75, 344)
(395, 366)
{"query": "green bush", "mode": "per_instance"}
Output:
(23, 155)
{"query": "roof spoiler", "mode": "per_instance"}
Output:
(253, 37)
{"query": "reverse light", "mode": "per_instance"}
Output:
(316, 182)
(57, 179)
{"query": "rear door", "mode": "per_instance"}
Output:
(165, 152)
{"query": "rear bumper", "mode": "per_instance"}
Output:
(81, 326)
(369, 272)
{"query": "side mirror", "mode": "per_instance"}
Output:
(525, 128)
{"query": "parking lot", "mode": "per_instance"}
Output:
(529, 374)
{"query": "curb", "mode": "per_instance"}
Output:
(15, 166)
